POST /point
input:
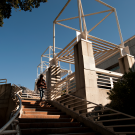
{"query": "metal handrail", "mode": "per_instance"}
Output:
(100, 106)
(12, 119)
(3, 79)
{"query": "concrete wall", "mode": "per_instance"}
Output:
(6, 103)
(114, 59)
(102, 96)
(85, 74)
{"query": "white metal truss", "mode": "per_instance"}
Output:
(43, 66)
(102, 49)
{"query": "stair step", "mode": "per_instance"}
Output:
(49, 125)
(44, 112)
(111, 120)
(125, 133)
(92, 133)
(36, 104)
(33, 101)
(32, 120)
(44, 116)
(41, 118)
(40, 109)
(55, 130)
(120, 126)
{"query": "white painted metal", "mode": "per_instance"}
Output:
(83, 19)
(67, 26)
(79, 13)
(99, 22)
(53, 40)
(5, 80)
(118, 25)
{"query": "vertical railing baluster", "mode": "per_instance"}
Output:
(111, 82)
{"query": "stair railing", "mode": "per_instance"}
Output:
(5, 81)
(106, 78)
(16, 96)
(88, 109)
(65, 86)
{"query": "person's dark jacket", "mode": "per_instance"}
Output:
(41, 84)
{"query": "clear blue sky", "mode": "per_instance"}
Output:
(25, 35)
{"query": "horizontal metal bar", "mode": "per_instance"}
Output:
(106, 76)
(67, 19)
(99, 39)
(115, 120)
(106, 115)
(67, 27)
(62, 10)
(76, 102)
(111, 73)
(97, 13)
(105, 4)
(9, 132)
(98, 62)
(69, 101)
(132, 125)
(104, 86)
(99, 22)
(104, 82)
(66, 61)
(65, 47)
(44, 51)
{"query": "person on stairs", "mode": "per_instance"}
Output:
(41, 85)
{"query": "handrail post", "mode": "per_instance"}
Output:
(111, 82)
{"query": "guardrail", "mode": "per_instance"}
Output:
(16, 96)
(106, 79)
(5, 80)
(96, 113)
(67, 85)
(31, 96)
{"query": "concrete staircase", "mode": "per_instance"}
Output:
(42, 118)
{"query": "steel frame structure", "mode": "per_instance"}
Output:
(45, 64)
(102, 49)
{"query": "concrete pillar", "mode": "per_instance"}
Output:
(52, 77)
(85, 74)
(125, 62)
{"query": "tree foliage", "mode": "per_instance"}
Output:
(122, 96)
(7, 5)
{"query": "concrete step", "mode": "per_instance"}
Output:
(74, 134)
(44, 116)
(43, 112)
(55, 130)
(38, 106)
(49, 125)
(33, 120)
(33, 101)
(40, 109)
